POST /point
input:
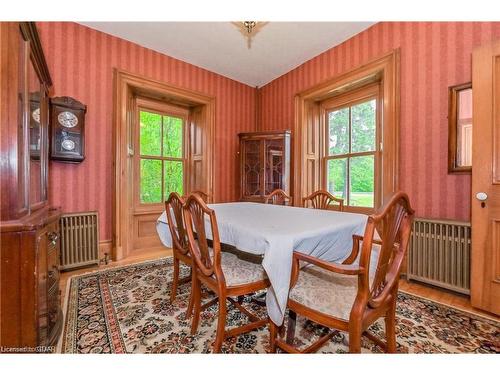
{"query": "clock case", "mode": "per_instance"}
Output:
(59, 133)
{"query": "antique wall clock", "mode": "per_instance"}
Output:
(67, 121)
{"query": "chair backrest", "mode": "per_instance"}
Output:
(196, 213)
(278, 197)
(392, 223)
(202, 194)
(323, 200)
(173, 209)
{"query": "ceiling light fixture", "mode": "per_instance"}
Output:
(249, 29)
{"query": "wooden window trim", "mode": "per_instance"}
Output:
(348, 100)
(307, 166)
(453, 91)
(127, 86)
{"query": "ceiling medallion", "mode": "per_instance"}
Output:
(249, 29)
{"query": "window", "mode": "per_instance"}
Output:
(351, 157)
(460, 129)
(161, 159)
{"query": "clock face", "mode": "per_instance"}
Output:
(67, 119)
(68, 145)
(36, 115)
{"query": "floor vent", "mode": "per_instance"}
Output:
(439, 254)
(79, 240)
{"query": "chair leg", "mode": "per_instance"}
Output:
(221, 325)
(272, 336)
(189, 310)
(355, 338)
(175, 281)
(390, 328)
(196, 292)
(281, 331)
(290, 331)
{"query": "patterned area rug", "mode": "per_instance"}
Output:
(127, 310)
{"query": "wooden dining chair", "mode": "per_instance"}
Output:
(180, 247)
(353, 295)
(202, 194)
(278, 197)
(223, 273)
(323, 200)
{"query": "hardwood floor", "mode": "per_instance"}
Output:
(445, 297)
(458, 301)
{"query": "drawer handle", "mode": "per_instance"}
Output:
(53, 237)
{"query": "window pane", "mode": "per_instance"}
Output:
(172, 137)
(173, 177)
(150, 133)
(363, 119)
(150, 181)
(338, 126)
(464, 128)
(464, 144)
(362, 172)
(337, 176)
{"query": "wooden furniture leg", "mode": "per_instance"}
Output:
(196, 291)
(272, 333)
(175, 281)
(221, 325)
(290, 332)
(390, 328)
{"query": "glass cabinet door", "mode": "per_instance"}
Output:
(274, 165)
(36, 133)
(252, 168)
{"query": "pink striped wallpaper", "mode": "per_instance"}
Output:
(81, 62)
(433, 57)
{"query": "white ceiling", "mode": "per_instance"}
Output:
(277, 48)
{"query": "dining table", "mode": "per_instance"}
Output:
(275, 232)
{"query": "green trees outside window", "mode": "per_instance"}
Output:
(161, 156)
(351, 153)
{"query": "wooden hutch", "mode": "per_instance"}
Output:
(29, 238)
(264, 164)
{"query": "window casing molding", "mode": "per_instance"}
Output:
(308, 147)
(201, 140)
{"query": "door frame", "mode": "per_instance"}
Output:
(126, 86)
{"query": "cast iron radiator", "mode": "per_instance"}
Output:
(79, 240)
(439, 254)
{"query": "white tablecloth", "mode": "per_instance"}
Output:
(275, 232)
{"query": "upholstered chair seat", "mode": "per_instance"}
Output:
(238, 271)
(328, 292)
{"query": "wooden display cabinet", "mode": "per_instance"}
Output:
(264, 164)
(30, 315)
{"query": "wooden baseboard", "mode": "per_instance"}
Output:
(105, 247)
